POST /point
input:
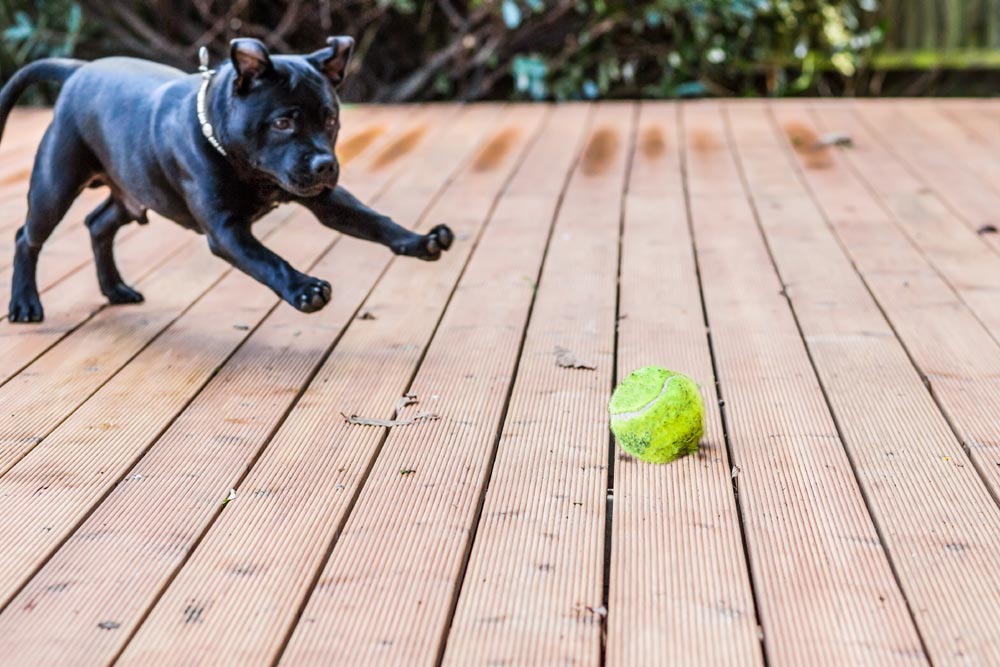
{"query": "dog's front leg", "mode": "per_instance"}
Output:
(340, 210)
(237, 245)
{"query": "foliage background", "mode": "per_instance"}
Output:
(540, 49)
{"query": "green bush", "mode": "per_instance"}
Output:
(677, 48)
(496, 49)
(37, 29)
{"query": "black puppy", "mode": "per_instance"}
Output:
(213, 153)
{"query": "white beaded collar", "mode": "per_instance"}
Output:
(206, 78)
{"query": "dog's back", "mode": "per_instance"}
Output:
(115, 104)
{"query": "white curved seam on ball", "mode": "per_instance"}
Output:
(638, 413)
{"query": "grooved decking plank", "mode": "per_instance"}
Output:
(950, 133)
(679, 585)
(59, 480)
(24, 129)
(67, 280)
(532, 591)
(934, 512)
(825, 589)
(981, 122)
(12, 216)
(123, 555)
(972, 197)
(954, 351)
(44, 393)
(893, 195)
(386, 594)
(54, 485)
(956, 355)
(303, 485)
(17, 148)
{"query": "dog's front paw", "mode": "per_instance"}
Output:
(311, 295)
(441, 236)
(25, 309)
(430, 246)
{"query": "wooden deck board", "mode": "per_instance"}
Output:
(955, 353)
(953, 248)
(533, 588)
(679, 587)
(428, 514)
(825, 588)
(962, 188)
(306, 479)
(854, 323)
(241, 405)
(979, 123)
(901, 451)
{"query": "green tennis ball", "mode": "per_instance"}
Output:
(656, 414)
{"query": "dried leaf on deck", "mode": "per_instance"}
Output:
(567, 359)
(404, 401)
(835, 139)
(369, 421)
(600, 610)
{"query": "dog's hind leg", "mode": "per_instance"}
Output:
(63, 166)
(103, 223)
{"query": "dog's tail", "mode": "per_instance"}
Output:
(54, 70)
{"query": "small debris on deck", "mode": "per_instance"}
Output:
(567, 359)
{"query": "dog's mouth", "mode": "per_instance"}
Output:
(306, 190)
(309, 188)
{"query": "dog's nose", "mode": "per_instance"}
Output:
(322, 165)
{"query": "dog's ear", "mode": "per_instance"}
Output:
(250, 60)
(332, 61)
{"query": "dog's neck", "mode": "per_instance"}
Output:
(206, 124)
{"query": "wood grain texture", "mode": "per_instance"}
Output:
(978, 120)
(173, 493)
(843, 509)
(966, 192)
(533, 588)
(825, 589)
(387, 589)
(53, 486)
(973, 143)
(15, 208)
(908, 461)
(959, 255)
(304, 483)
(679, 586)
(956, 354)
(45, 392)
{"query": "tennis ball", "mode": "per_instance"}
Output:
(656, 414)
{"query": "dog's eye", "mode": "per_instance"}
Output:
(283, 124)
(331, 122)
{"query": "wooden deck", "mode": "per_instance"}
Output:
(840, 307)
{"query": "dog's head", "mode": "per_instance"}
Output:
(283, 114)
